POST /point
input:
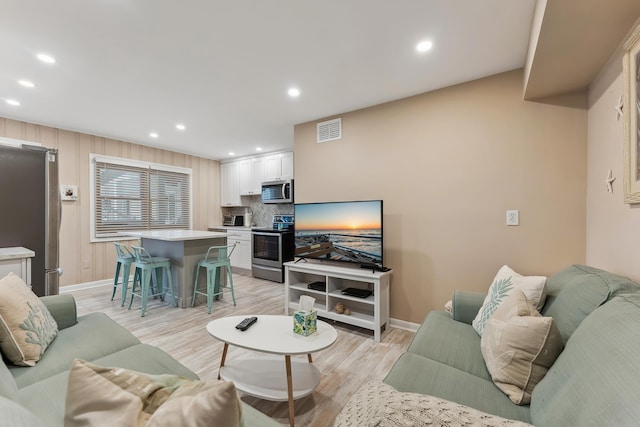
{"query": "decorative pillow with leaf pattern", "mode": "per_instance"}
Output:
(505, 282)
(26, 326)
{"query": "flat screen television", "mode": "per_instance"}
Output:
(340, 231)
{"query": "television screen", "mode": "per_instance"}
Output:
(340, 231)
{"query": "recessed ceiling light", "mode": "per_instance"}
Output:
(153, 135)
(258, 148)
(26, 83)
(231, 153)
(424, 46)
(180, 126)
(294, 92)
(13, 102)
(46, 58)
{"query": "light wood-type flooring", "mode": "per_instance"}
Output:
(354, 359)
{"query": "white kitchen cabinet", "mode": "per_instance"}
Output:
(16, 260)
(230, 184)
(271, 167)
(278, 166)
(245, 177)
(257, 178)
(286, 165)
(246, 174)
(241, 256)
(251, 176)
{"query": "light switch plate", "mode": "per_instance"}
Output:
(513, 217)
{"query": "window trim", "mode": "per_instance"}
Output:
(93, 158)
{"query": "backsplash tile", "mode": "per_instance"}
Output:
(262, 215)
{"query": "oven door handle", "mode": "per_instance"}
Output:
(257, 233)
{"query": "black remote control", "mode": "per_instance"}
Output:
(246, 323)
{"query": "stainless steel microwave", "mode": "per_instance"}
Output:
(277, 191)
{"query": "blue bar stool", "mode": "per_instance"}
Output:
(213, 266)
(146, 267)
(125, 259)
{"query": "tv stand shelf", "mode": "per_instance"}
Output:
(369, 313)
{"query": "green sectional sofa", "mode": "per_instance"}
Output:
(35, 396)
(594, 382)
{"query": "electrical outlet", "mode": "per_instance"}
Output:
(513, 217)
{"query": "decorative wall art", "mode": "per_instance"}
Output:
(631, 112)
(620, 108)
(609, 181)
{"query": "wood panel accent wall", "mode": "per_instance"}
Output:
(81, 260)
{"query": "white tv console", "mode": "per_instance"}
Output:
(369, 313)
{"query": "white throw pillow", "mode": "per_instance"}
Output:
(101, 396)
(519, 346)
(505, 282)
(26, 326)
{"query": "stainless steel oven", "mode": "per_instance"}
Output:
(270, 250)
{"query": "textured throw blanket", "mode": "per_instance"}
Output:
(377, 404)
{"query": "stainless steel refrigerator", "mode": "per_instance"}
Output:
(30, 210)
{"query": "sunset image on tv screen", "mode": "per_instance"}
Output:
(341, 231)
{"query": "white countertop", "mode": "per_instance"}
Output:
(177, 235)
(16, 252)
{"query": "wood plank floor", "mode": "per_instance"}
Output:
(354, 359)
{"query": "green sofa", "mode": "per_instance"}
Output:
(594, 382)
(35, 396)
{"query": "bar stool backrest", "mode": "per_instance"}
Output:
(141, 254)
(123, 251)
(223, 252)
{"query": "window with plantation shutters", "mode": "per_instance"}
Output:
(132, 195)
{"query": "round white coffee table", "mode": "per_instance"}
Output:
(269, 378)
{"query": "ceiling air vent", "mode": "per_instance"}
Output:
(330, 130)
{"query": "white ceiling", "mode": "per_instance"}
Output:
(126, 68)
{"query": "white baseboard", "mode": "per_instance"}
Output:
(402, 324)
(87, 285)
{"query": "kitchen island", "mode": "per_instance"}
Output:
(184, 248)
